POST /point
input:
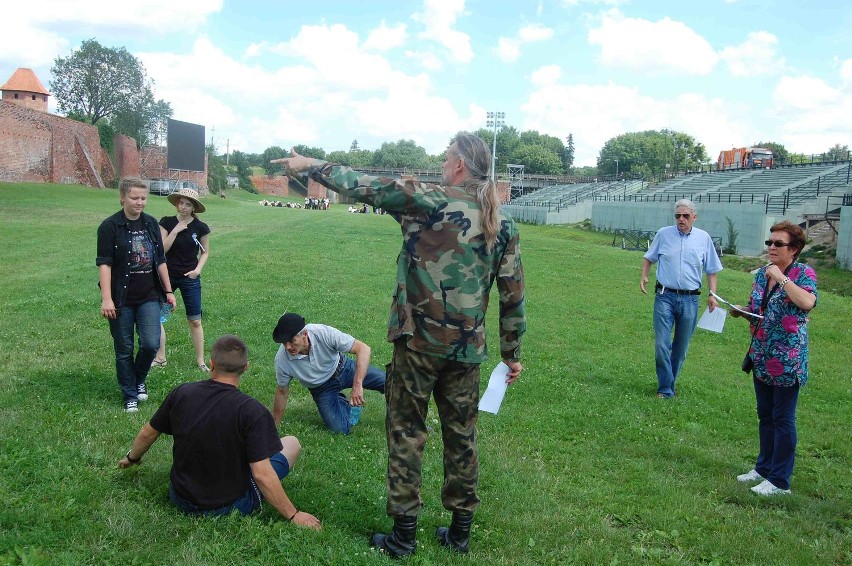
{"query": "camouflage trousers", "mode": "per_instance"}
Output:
(412, 378)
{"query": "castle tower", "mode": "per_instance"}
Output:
(24, 88)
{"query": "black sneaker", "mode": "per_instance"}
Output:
(131, 406)
(142, 392)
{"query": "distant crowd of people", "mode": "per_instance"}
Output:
(279, 204)
(364, 209)
(317, 203)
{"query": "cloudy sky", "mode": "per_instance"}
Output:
(326, 72)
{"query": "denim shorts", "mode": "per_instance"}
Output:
(190, 292)
(246, 504)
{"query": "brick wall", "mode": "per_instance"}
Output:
(26, 99)
(127, 162)
(276, 185)
(503, 191)
(36, 146)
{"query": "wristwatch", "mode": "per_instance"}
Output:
(132, 460)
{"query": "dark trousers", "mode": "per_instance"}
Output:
(776, 414)
(412, 378)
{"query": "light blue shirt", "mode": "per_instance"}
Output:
(320, 363)
(681, 258)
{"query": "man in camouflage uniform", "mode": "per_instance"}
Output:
(456, 243)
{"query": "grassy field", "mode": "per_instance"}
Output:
(583, 464)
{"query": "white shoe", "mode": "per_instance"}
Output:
(766, 488)
(750, 476)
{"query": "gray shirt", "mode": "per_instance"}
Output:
(320, 363)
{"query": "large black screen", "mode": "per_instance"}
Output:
(186, 146)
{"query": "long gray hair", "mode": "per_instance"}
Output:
(477, 159)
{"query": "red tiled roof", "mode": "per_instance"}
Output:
(24, 80)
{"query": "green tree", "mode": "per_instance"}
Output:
(98, 82)
(837, 153)
(243, 169)
(537, 159)
(145, 123)
(651, 153)
(315, 152)
(217, 176)
(402, 154)
(270, 153)
(568, 162)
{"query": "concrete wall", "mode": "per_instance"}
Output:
(844, 238)
(541, 215)
(748, 220)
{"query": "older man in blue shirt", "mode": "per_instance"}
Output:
(681, 253)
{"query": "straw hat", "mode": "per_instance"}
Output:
(188, 194)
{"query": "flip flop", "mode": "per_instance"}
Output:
(158, 363)
(202, 367)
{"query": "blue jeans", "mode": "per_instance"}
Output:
(190, 292)
(680, 312)
(333, 405)
(246, 504)
(776, 415)
(132, 371)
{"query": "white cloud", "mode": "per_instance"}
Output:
(316, 94)
(508, 50)
(546, 75)
(159, 16)
(534, 32)
(596, 113)
(757, 55)
(572, 3)
(38, 34)
(384, 38)
(662, 47)
(429, 60)
(846, 72)
(26, 46)
(438, 18)
(812, 115)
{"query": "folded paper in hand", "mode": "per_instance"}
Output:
(493, 396)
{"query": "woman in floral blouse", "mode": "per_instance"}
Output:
(783, 293)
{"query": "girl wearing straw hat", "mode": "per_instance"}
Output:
(185, 239)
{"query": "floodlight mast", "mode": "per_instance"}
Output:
(495, 121)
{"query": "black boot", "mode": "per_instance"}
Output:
(457, 536)
(401, 542)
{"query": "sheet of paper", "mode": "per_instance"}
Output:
(493, 396)
(733, 306)
(713, 321)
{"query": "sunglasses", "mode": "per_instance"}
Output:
(776, 243)
(683, 215)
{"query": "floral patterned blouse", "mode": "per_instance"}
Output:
(779, 348)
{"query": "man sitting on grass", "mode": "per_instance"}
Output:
(227, 453)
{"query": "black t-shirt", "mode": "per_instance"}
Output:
(218, 431)
(142, 286)
(183, 255)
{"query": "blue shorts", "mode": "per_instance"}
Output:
(246, 504)
(190, 292)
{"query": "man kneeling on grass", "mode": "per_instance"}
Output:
(227, 453)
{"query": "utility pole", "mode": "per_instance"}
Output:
(227, 151)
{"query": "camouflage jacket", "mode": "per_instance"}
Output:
(444, 272)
